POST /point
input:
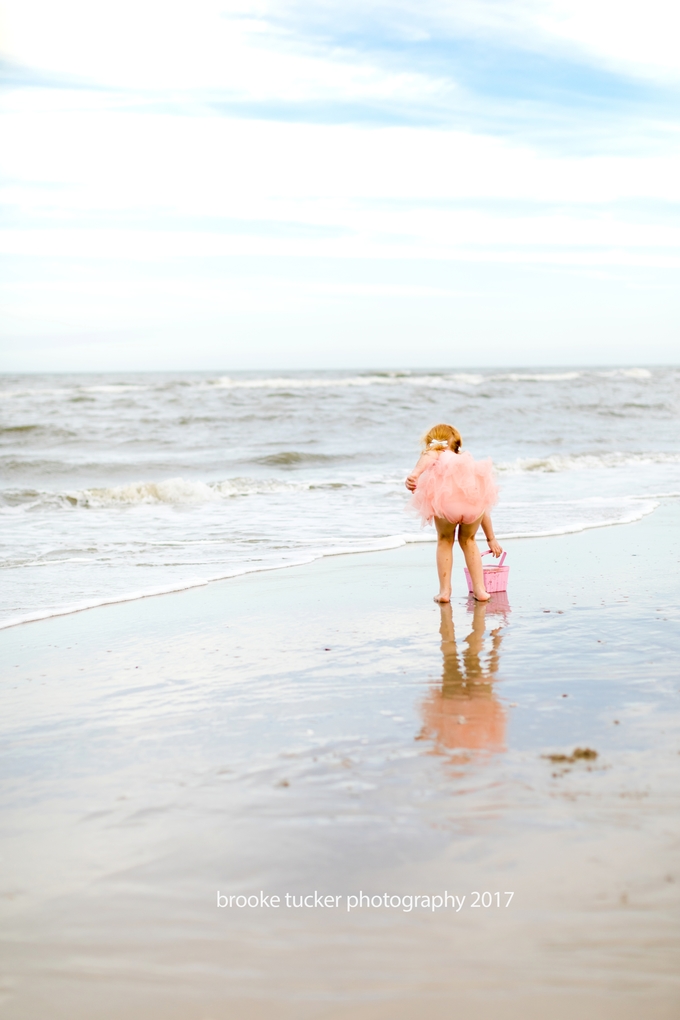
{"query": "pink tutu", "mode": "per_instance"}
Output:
(455, 487)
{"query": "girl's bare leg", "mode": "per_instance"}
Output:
(473, 558)
(446, 535)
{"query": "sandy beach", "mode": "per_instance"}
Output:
(328, 729)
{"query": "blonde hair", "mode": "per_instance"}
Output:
(444, 433)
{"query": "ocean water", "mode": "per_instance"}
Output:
(121, 485)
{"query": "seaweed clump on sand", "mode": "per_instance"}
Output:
(578, 754)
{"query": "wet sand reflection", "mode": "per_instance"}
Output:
(464, 713)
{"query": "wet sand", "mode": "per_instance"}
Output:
(328, 728)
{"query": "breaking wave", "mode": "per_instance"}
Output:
(585, 461)
(171, 491)
(343, 382)
(187, 492)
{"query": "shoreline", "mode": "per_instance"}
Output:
(384, 545)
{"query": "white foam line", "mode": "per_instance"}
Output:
(379, 545)
(79, 607)
(657, 495)
(574, 529)
(198, 582)
(391, 542)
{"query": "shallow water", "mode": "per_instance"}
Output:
(116, 485)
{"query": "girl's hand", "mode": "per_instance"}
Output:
(494, 547)
(424, 461)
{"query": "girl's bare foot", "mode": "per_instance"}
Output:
(483, 598)
(442, 597)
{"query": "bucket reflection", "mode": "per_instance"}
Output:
(463, 712)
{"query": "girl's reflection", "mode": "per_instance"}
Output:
(464, 712)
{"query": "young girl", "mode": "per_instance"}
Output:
(455, 490)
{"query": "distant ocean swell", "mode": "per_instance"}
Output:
(330, 381)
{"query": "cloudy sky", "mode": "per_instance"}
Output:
(211, 185)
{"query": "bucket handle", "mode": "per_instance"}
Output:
(501, 560)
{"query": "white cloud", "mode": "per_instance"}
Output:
(271, 51)
(626, 35)
(361, 192)
(215, 164)
(623, 35)
(155, 46)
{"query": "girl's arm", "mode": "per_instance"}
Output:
(487, 528)
(425, 459)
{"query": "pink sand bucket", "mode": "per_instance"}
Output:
(495, 578)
